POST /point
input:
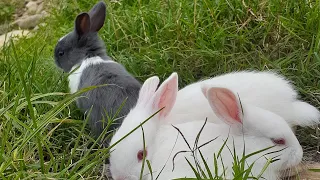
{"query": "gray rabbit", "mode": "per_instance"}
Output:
(83, 49)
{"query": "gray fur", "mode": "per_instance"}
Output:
(75, 51)
(83, 43)
(107, 99)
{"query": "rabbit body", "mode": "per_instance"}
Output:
(259, 128)
(106, 99)
(262, 89)
(83, 53)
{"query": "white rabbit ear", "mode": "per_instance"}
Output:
(166, 95)
(204, 90)
(147, 90)
(225, 104)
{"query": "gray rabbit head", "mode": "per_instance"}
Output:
(83, 42)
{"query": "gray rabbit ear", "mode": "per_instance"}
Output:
(82, 24)
(97, 16)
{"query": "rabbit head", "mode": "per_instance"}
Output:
(83, 42)
(126, 157)
(254, 122)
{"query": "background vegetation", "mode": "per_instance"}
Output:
(42, 133)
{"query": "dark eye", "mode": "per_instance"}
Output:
(279, 141)
(140, 154)
(60, 53)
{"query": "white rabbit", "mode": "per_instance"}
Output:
(262, 89)
(261, 129)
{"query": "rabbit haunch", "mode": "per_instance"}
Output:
(259, 127)
(266, 90)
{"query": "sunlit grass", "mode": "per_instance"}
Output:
(43, 135)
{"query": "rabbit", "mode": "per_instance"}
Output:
(242, 123)
(266, 89)
(82, 52)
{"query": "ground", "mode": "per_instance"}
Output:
(42, 132)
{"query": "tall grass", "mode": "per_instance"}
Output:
(42, 133)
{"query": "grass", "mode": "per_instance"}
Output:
(240, 167)
(42, 132)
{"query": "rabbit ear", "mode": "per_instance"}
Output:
(147, 90)
(166, 95)
(204, 90)
(82, 24)
(225, 104)
(97, 15)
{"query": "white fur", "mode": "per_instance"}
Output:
(254, 135)
(166, 147)
(263, 89)
(74, 77)
(62, 37)
(259, 126)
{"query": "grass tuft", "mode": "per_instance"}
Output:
(43, 135)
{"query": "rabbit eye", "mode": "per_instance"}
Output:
(280, 141)
(60, 53)
(141, 153)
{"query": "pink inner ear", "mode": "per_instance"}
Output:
(166, 95)
(225, 104)
(167, 100)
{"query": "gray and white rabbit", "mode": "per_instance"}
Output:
(83, 49)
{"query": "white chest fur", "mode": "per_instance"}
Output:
(74, 77)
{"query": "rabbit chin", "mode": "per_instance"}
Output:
(289, 159)
(119, 174)
(294, 158)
